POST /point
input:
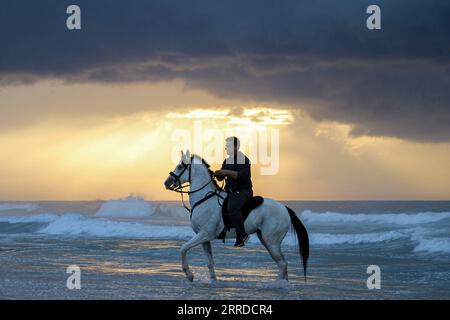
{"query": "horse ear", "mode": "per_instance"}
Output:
(182, 154)
(188, 154)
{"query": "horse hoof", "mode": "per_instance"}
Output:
(190, 277)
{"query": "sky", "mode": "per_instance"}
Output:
(102, 112)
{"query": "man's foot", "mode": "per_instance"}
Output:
(240, 242)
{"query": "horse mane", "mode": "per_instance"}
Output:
(206, 164)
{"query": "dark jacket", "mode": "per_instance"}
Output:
(241, 164)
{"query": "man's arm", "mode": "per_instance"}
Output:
(228, 173)
(218, 175)
(242, 174)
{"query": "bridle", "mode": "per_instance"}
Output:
(179, 189)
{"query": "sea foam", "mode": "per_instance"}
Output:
(15, 206)
(382, 218)
(126, 208)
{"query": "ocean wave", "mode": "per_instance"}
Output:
(131, 207)
(332, 239)
(77, 224)
(15, 206)
(37, 218)
(436, 245)
(336, 239)
(383, 218)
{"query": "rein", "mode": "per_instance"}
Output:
(180, 188)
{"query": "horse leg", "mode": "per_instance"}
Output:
(208, 250)
(195, 241)
(276, 254)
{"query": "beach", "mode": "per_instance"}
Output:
(129, 249)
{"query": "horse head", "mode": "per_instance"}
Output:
(181, 173)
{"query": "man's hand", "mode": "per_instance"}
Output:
(220, 174)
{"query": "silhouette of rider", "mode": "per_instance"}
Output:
(237, 174)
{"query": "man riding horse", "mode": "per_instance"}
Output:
(237, 174)
(270, 219)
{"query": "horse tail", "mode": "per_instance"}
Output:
(302, 237)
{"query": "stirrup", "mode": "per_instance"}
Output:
(241, 242)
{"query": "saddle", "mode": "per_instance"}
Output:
(252, 203)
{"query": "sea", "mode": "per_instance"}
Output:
(130, 249)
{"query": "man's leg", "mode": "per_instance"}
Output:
(235, 203)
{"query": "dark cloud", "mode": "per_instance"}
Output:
(314, 55)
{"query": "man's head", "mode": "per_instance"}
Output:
(232, 145)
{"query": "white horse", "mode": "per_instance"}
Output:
(271, 220)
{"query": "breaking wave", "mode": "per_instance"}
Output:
(22, 206)
(103, 224)
(382, 218)
(131, 207)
